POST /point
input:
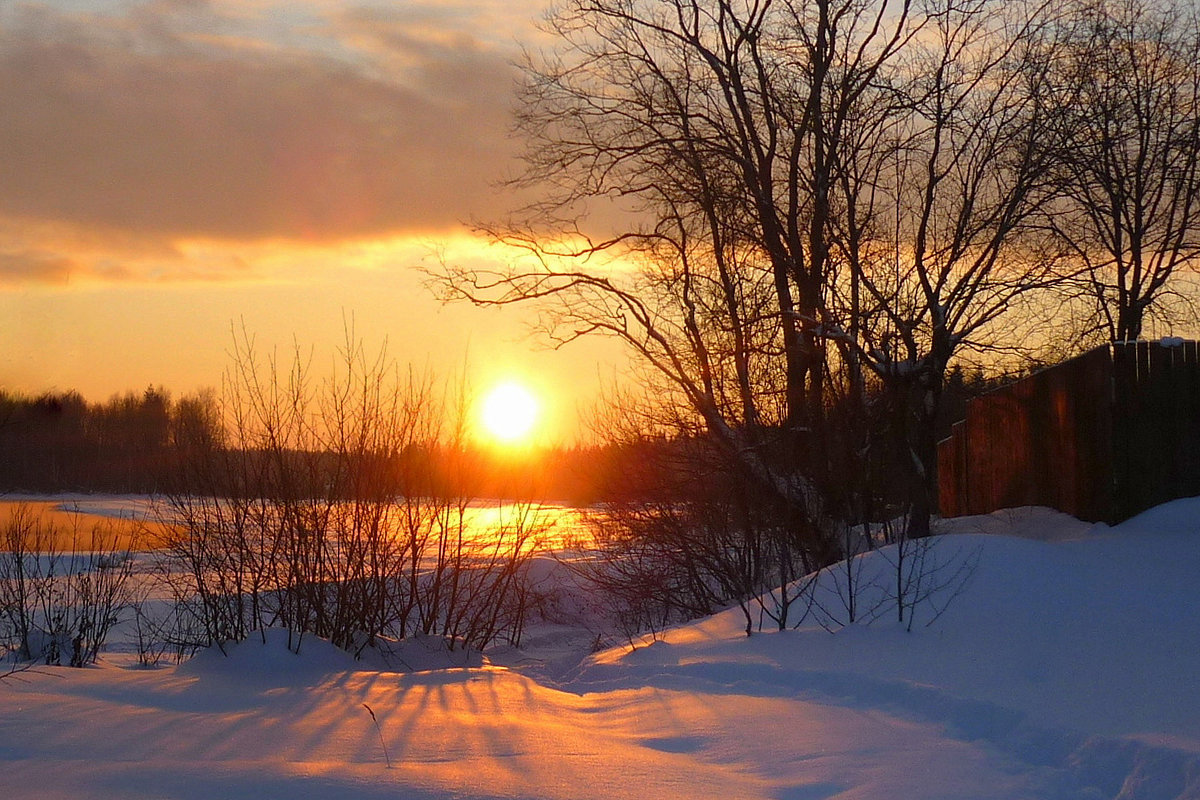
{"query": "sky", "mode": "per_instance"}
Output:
(174, 169)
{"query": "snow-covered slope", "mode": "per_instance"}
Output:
(1067, 668)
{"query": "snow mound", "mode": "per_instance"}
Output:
(1027, 522)
(1070, 648)
(265, 658)
(1176, 517)
(1082, 633)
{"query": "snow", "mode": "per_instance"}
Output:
(121, 507)
(1065, 669)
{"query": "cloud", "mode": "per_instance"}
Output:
(41, 267)
(179, 121)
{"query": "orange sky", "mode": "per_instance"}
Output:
(169, 168)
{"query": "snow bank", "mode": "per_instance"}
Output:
(1074, 651)
(271, 656)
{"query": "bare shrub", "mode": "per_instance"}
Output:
(58, 604)
(340, 509)
(693, 535)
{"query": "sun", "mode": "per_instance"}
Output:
(509, 412)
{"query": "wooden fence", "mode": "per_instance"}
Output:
(1102, 436)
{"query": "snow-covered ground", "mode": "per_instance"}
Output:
(1068, 667)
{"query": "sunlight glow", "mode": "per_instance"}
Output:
(509, 412)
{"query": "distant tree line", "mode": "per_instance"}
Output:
(58, 441)
(150, 443)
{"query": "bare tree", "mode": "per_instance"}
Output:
(714, 124)
(1124, 91)
(937, 181)
(823, 195)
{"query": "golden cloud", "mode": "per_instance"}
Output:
(148, 129)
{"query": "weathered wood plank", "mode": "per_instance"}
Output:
(1102, 436)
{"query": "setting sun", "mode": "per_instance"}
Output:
(509, 412)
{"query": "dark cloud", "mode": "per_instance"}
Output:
(137, 127)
